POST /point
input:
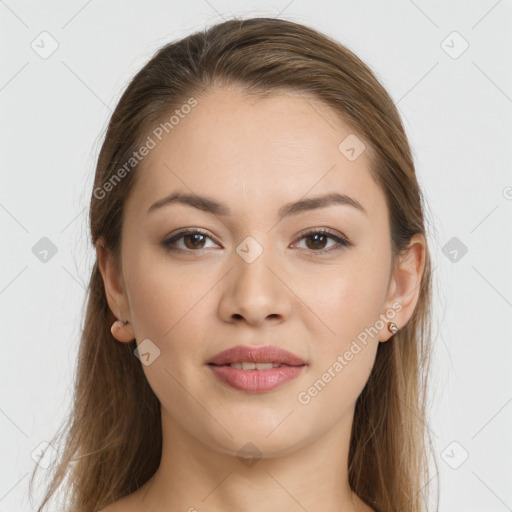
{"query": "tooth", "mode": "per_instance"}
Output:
(264, 366)
(254, 366)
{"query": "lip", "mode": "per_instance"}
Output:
(264, 354)
(256, 381)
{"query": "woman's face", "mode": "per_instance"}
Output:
(252, 277)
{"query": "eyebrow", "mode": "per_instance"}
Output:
(210, 205)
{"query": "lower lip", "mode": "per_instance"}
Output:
(256, 381)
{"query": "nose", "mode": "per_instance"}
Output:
(256, 291)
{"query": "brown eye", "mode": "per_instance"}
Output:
(316, 241)
(193, 240)
(196, 241)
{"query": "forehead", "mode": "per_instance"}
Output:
(258, 152)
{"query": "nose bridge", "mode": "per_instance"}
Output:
(253, 258)
(254, 290)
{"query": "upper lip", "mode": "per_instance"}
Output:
(262, 354)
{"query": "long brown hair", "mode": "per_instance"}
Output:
(113, 437)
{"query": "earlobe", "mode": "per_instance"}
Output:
(122, 331)
(391, 327)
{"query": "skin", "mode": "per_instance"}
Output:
(255, 156)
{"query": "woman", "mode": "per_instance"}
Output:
(257, 331)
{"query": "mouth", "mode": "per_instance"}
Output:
(256, 369)
(254, 380)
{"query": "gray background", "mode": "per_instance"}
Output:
(456, 105)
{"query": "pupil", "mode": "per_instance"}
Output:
(195, 238)
(316, 237)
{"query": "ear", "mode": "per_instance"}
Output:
(404, 286)
(115, 292)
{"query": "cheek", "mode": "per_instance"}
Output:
(164, 297)
(334, 387)
(345, 343)
(346, 299)
(173, 305)
(166, 302)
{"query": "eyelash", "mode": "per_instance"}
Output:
(340, 240)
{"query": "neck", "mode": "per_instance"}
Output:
(194, 477)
